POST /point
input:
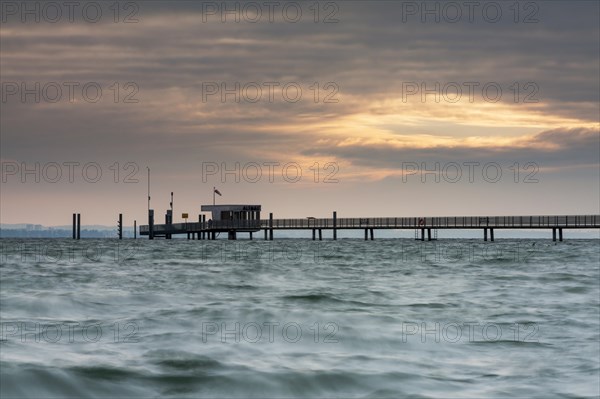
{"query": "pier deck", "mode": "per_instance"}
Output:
(422, 224)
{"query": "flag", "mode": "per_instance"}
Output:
(218, 192)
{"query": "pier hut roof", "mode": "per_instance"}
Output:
(229, 207)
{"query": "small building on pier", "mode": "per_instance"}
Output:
(233, 212)
(233, 219)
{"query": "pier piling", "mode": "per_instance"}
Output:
(74, 226)
(169, 220)
(78, 226)
(334, 225)
(151, 224)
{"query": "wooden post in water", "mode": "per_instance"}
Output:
(428, 234)
(120, 226)
(422, 234)
(366, 234)
(151, 224)
(560, 237)
(198, 233)
(334, 225)
(78, 226)
(135, 229)
(74, 226)
(492, 235)
(169, 222)
(372, 235)
(320, 234)
(554, 234)
(271, 226)
(484, 234)
(314, 234)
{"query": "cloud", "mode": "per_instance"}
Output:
(370, 55)
(553, 149)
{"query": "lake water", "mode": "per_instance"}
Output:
(293, 318)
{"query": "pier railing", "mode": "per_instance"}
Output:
(579, 221)
(446, 222)
(178, 228)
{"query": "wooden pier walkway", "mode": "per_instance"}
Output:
(423, 226)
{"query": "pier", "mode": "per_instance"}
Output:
(425, 227)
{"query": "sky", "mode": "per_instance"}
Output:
(368, 108)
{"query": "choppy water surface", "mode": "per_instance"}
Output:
(297, 318)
